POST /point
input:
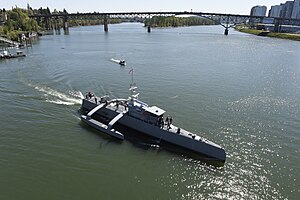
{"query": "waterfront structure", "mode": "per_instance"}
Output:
(296, 10)
(287, 10)
(275, 11)
(258, 11)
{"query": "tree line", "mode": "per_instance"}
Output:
(15, 22)
(161, 21)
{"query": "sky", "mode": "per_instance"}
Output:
(213, 6)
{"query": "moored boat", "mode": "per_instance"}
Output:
(7, 55)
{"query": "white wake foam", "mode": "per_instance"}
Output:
(54, 96)
(174, 97)
(59, 102)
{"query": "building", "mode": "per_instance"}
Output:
(287, 9)
(275, 11)
(258, 11)
(296, 10)
(3, 16)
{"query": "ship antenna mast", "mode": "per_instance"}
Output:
(133, 87)
(131, 71)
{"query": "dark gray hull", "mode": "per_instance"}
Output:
(185, 140)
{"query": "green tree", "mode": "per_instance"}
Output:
(18, 22)
(159, 21)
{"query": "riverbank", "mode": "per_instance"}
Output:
(288, 36)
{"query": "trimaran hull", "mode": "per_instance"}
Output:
(202, 146)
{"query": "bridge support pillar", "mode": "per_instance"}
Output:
(149, 24)
(48, 23)
(38, 19)
(56, 26)
(277, 26)
(105, 24)
(65, 24)
(227, 26)
(226, 31)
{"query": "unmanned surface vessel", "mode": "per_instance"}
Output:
(104, 113)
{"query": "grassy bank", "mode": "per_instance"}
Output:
(289, 36)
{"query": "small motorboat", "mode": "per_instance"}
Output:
(120, 62)
(19, 54)
(8, 55)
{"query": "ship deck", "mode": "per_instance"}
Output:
(172, 128)
(119, 107)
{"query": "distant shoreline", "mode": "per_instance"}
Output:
(287, 36)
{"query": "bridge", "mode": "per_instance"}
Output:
(225, 20)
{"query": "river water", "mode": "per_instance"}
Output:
(240, 91)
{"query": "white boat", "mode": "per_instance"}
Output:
(135, 114)
(121, 62)
(4, 54)
(8, 55)
(19, 54)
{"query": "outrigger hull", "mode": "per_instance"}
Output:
(102, 127)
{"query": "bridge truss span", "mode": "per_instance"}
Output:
(225, 20)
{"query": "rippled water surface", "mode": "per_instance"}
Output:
(240, 91)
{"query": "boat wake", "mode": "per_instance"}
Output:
(56, 97)
(264, 103)
(174, 97)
